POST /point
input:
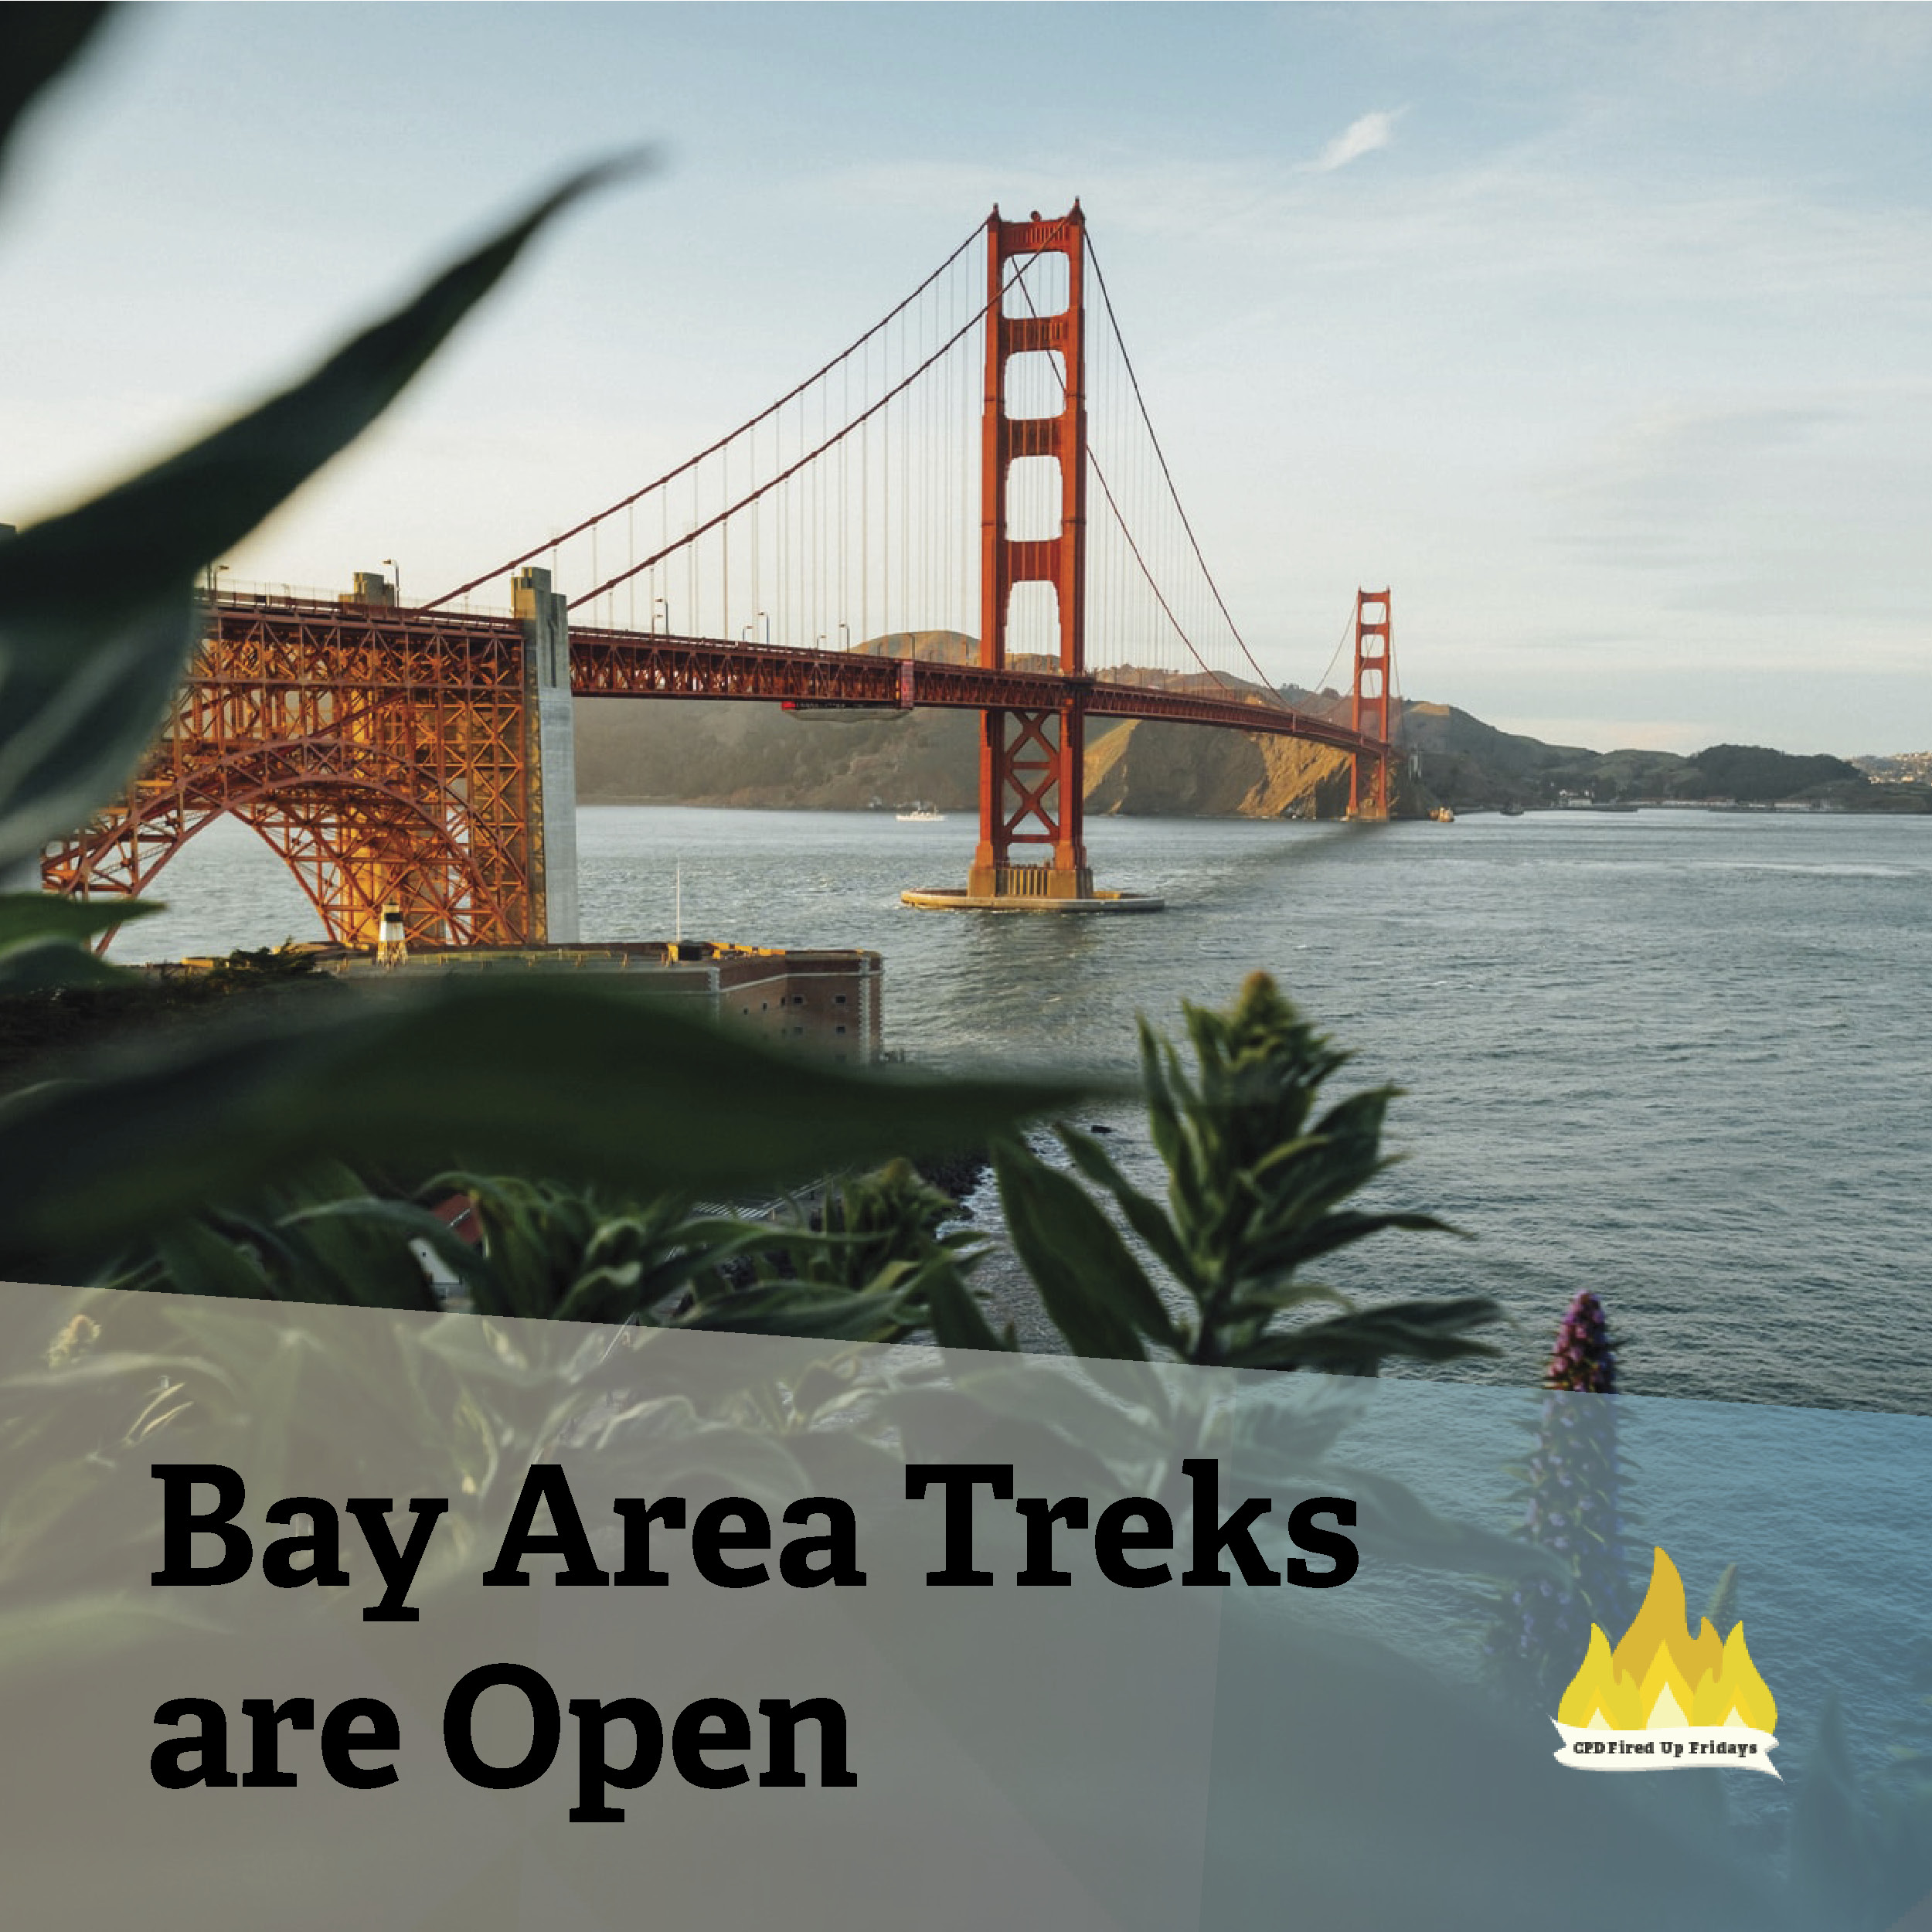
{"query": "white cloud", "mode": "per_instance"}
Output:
(1359, 137)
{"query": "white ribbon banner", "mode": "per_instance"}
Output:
(1686, 1748)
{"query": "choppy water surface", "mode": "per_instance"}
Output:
(1682, 1058)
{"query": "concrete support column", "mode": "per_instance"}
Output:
(550, 749)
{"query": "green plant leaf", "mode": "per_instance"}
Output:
(1145, 1216)
(98, 610)
(957, 1320)
(793, 1308)
(26, 917)
(1093, 1289)
(43, 941)
(1433, 1331)
(200, 1261)
(40, 967)
(37, 41)
(1269, 1252)
(577, 1082)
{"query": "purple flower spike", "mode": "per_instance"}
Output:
(1582, 1358)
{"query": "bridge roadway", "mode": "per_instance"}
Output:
(611, 663)
(630, 663)
(608, 663)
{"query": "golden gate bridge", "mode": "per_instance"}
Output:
(966, 507)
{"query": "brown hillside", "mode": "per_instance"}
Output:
(711, 753)
(1151, 770)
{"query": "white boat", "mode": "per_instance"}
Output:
(922, 815)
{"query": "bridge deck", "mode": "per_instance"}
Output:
(632, 664)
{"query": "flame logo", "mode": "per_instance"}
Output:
(1661, 1678)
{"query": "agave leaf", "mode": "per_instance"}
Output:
(97, 613)
(583, 1082)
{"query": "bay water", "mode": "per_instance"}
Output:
(1682, 1058)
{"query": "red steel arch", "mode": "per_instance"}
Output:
(386, 755)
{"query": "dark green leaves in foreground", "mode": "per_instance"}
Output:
(44, 941)
(37, 41)
(97, 612)
(574, 1082)
(1257, 1187)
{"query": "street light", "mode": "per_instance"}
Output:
(766, 622)
(663, 603)
(845, 631)
(398, 569)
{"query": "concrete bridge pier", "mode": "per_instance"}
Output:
(550, 756)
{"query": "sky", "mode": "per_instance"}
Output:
(1602, 335)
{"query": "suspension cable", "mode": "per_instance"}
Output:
(1107, 302)
(1100, 477)
(810, 456)
(1335, 656)
(669, 475)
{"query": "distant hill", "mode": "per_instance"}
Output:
(707, 752)
(712, 752)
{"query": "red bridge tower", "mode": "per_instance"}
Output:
(1374, 667)
(1031, 763)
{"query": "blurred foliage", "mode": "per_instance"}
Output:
(59, 1003)
(40, 43)
(1259, 1185)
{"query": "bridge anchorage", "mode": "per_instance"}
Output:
(822, 554)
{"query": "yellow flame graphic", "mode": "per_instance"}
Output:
(1661, 1678)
